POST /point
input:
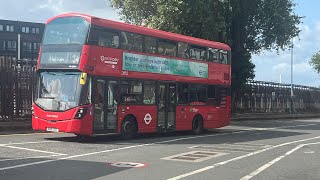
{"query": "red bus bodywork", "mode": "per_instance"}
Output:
(93, 62)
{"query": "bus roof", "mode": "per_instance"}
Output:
(145, 31)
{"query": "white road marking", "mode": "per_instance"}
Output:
(31, 157)
(308, 152)
(35, 142)
(34, 150)
(112, 150)
(27, 134)
(238, 158)
(266, 129)
(142, 145)
(264, 167)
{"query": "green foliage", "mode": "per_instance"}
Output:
(315, 62)
(248, 26)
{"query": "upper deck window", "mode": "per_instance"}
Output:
(183, 50)
(167, 47)
(223, 57)
(131, 41)
(66, 30)
(150, 44)
(213, 54)
(197, 52)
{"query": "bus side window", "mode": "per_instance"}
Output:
(197, 94)
(213, 95)
(149, 95)
(182, 93)
(131, 92)
(109, 39)
(198, 52)
(150, 45)
(131, 41)
(94, 36)
(183, 50)
(166, 47)
(223, 57)
(213, 55)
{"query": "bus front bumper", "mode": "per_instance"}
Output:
(75, 126)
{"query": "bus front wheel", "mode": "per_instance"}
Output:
(197, 125)
(129, 128)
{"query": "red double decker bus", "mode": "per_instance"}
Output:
(97, 76)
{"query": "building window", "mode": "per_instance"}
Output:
(10, 28)
(33, 30)
(2, 45)
(27, 46)
(1, 27)
(25, 29)
(11, 45)
(36, 47)
(37, 30)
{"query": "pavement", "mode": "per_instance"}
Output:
(255, 149)
(23, 125)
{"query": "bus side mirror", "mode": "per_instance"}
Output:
(83, 78)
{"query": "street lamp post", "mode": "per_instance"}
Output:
(291, 94)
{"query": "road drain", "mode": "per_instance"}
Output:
(194, 156)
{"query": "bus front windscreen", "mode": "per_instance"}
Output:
(63, 41)
(60, 91)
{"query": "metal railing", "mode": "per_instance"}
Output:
(259, 96)
(17, 82)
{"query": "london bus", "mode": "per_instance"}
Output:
(97, 76)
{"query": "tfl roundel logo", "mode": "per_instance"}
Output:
(147, 118)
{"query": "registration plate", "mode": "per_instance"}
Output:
(52, 129)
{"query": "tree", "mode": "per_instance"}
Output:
(248, 26)
(315, 62)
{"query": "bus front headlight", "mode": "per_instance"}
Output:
(81, 113)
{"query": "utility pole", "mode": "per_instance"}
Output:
(291, 94)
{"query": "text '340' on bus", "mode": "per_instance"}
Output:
(97, 76)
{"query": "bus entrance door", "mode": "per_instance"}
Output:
(166, 106)
(105, 106)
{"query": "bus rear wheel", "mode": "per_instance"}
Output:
(197, 125)
(129, 128)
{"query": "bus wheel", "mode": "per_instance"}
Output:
(129, 128)
(197, 125)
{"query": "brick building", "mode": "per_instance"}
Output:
(20, 40)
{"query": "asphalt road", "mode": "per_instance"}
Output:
(270, 149)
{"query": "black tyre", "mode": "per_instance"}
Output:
(197, 125)
(129, 128)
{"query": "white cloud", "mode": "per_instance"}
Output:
(41, 10)
(269, 65)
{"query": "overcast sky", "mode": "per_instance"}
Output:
(269, 65)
